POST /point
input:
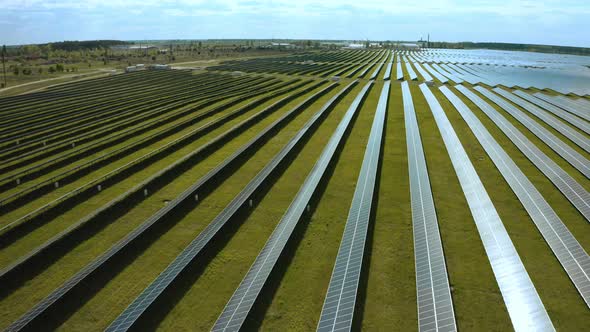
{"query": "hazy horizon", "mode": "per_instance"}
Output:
(560, 23)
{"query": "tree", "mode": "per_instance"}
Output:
(51, 70)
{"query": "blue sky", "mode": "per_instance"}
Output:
(541, 22)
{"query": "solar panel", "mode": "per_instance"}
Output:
(59, 292)
(374, 75)
(399, 72)
(570, 118)
(338, 308)
(436, 74)
(564, 150)
(549, 119)
(451, 76)
(387, 74)
(571, 189)
(364, 72)
(584, 102)
(564, 245)
(567, 104)
(238, 307)
(411, 71)
(423, 72)
(575, 102)
(435, 305)
(150, 294)
(520, 296)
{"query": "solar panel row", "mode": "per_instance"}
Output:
(571, 189)
(574, 106)
(578, 103)
(436, 74)
(149, 295)
(520, 296)
(399, 72)
(580, 107)
(377, 69)
(567, 116)
(564, 150)
(411, 71)
(425, 75)
(549, 119)
(435, 304)
(447, 74)
(340, 300)
(81, 275)
(387, 74)
(564, 245)
(237, 308)
(121, 200)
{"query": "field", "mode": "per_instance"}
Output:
(107, 181)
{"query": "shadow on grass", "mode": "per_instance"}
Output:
(34, 266)
(264, 300)
(361, 296)
(67, 305)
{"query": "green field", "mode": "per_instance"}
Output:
(57, 145)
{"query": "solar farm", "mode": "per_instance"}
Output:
(378, 190)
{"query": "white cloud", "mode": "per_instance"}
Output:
(392, 7)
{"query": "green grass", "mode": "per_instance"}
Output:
(293, 297)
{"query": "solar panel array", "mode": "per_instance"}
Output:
(399, 72)
(338, 309)
(158, 286)
(576, 107)
(411, 71)
(237, 308)
(564, 150)
(447, 74)
(564, 245)
(389, 67)
(570, 118)
(376, 71)
(425, 75)
(549, 119)
(435, 305)
(81, 275)
(520, 296)
(571, 189)
(436, 74)
(47, 245)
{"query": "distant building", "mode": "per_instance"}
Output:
(409, 45)
(161, 67)
(355, 46)
(281, 45)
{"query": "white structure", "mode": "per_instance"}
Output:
(356, 46)
(161, 67)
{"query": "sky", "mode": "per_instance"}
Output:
(534, 22)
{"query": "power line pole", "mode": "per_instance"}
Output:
(4, 64)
